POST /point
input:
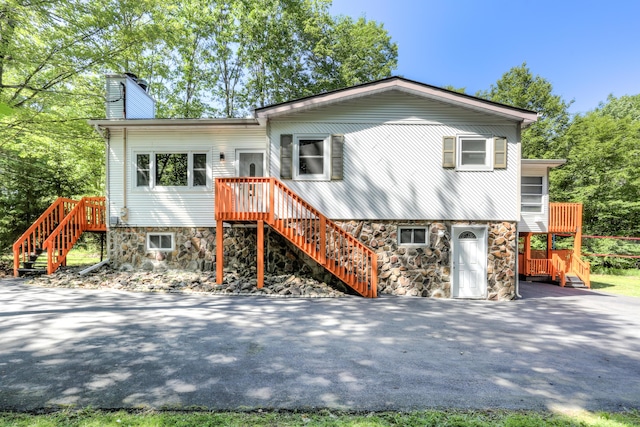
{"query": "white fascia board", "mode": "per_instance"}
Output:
(431, 92)
(176, 123)
(542, 163)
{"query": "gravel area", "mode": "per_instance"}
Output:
(176, 281)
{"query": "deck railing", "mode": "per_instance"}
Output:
(88, 215)
(565, 217)
(540, 267)
(31, 243)
(269, 200)
(58, 229)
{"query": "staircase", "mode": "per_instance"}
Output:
(53, 235)
(267, 200)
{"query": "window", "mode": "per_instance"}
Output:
(171, 170)
(160, 242)
(531, 190)
(412, 236)
(311, 157)
(199, 169)
(474, 153)
(143, 168)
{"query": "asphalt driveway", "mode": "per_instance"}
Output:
(556, 348)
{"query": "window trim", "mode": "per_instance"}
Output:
(412, 227)
(542, 196)
(488, 144)
(169, 249)
(326, 155)
(152, 171)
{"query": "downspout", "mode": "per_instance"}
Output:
(107, 219)
(124, 168)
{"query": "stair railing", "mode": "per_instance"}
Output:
(560, 268)
(582, 269)
(31, 243)
(269, 200)
(88, 215)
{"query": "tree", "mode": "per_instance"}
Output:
(201, 59)
(518, 87)
(603, 169)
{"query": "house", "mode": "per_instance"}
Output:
(392, 186)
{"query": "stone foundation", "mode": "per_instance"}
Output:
(423, 271)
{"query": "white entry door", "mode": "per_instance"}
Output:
(250, 163)
(469, 262)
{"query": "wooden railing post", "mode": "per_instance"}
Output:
(272, 186)
(323, 240)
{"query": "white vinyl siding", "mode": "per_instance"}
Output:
(394, 171)
(174, 206)
(396, 107)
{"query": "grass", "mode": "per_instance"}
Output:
(628, 284)
(323, 418)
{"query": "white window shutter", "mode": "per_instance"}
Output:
(500, 152)
(286, 156)
(337, 157)
(448, 151)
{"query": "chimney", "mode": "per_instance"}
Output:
(127, 97)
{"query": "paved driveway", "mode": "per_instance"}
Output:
(556, 348)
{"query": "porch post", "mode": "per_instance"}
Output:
(527, 253)
(260, 267)
(549, 245)
(219, 252)
(577, 240)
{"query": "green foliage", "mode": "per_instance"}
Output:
(602, 172)
(518, 87)
(200, 58)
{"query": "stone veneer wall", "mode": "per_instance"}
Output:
(415, 271)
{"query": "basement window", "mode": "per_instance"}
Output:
(160, 242)
(416, 236)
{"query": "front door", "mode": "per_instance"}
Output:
(469, 262)
(251, 196)
(250, 163)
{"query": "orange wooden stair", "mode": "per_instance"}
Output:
(56, 231)
(267, 200)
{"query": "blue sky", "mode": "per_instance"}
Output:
(586, 49)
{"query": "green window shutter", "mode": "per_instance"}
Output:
(448, 151)
(286, 156)
(499, 152)
(337, 157)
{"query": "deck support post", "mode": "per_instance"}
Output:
(577, 242)
(260, 267)
(527, 253)
(549, 245)
(219, 252)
